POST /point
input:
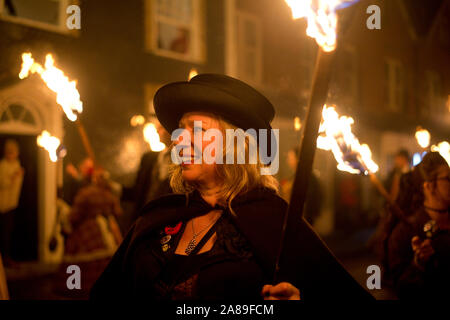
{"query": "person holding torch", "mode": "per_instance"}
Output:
(217, 237)
(418, 249)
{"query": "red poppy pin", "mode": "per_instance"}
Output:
(174, 230)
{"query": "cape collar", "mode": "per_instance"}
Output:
(173, 208)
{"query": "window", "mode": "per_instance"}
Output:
(175, 29)
(394, 85)
(249, 47)
(435, 100)
(15, 117)
(16, 112)
(44, 14)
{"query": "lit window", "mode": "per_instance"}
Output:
(174, 29)
(44, 14)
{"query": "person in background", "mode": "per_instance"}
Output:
(81, 177)
(401, 165)
(152, 180)
(396, 178)
(77, 178)
(92, 235)
(11, 178)
(314, 196)
(418, 249)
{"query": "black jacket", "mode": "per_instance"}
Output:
(308, 264)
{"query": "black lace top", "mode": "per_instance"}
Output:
(230, 258)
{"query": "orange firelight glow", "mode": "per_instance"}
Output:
(443, 148)
(49, 143)
(321, 17)
(152, 137)
(192, 73)
(423, 137)
(335, 134)
(67, 95)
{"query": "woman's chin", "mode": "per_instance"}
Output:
(189, 173)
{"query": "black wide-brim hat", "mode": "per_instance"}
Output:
(231, 99)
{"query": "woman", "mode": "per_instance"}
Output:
(419, 246)
(217, 237)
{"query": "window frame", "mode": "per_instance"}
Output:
(17, 125)
(240, 19)
(62, 17)
(197, 32)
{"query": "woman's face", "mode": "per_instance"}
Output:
(11, 152)
(202, 173)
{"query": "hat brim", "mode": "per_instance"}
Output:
(174, 100)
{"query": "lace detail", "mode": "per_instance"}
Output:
(185, 290)
(231, 241)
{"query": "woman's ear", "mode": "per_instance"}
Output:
(428, 187)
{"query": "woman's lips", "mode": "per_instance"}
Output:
(188, 162)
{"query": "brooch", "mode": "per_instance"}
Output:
(430, 228)
(174, 230)
(167, 236)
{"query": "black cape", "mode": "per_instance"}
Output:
(307, 263)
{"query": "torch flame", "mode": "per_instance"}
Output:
(335, 134)
(321, 18)
(49, 143)
(423, 137)
(152, 137)
(67, 95)
(443, 148)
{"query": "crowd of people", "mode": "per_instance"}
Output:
(210, 231)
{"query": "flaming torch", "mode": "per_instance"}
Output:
(52, 145)
(322, 23)
(67, 95)
(152, 137)
(335, 135)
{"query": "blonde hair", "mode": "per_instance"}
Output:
(236, 178)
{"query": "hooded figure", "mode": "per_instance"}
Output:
(217, 236)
